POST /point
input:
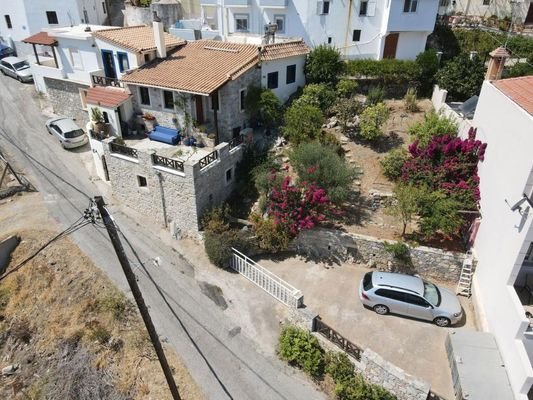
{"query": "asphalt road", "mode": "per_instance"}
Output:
(222, 359)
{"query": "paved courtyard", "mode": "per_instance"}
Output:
(413, 345)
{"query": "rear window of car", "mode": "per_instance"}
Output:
(73, 134)
(367, 281)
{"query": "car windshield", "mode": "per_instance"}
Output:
(21, 65)
(431, 293)
(73, 134)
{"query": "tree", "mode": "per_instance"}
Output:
(300, 348)
(371, 120)
(323, 166)
(393, 162)
(318, 95)
(270, 236)
(303, 123)
(462, 77)
(428, 65)
(324, 65)
(346, 87)
(262, 105)
(438, 212)
(404, 206)
(432, 125)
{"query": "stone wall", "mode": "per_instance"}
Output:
(183, 196)
(65, 99)
(340, 246)
(170, 11)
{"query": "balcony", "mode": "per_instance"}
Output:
(98, 80)
(273, 3)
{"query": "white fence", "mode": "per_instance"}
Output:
(266, 280)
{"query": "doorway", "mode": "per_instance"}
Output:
(109, 64)
(391, 44)
(199, 109)
(529, 16)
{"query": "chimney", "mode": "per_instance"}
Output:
(496, 64)
(159, 36)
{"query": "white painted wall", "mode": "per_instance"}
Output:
(86, 61)
(302, 19)
(504, 235)
(284, 90)
(410, 44)
(134, 59)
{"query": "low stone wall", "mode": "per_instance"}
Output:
(66, 101)
(348, 247)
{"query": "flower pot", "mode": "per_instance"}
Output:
(150, 124)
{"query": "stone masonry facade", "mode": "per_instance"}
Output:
(66, 101)
(182, 196)
(339, 246)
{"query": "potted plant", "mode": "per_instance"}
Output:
(97, 120)
(149, 121)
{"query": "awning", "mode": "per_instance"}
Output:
(41, 38)
(106, 96)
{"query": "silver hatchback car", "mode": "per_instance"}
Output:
(411, 296)
(16, 68)
(67, 132)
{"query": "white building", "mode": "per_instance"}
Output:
(503, 246)
(360, 29)
(22, 18)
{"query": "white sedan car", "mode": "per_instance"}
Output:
(67, 132)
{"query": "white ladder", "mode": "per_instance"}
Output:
(464, 286)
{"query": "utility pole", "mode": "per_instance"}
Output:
(130, 276)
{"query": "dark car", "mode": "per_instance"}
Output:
(6, 51)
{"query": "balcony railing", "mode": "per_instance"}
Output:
(235, 142)
(208, 159)
(104, 81)
(123, 150)
(167, 162)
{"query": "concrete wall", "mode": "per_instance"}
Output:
(87, 60)
(170, 11)
(284, 90)
(410, 44)
(504, 236)
(39, 72)
(500, 8)
(430, 263)
(66, 101)
(438, 99)
(185, 195)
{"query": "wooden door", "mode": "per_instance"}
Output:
(199, 109)
(391, 43)
(529, 16)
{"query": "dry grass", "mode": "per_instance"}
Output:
(61, 297)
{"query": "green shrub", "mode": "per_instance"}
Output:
(405, 204)
(269, 236)
(318, 95)
(371, 120)
(375, 95)
(329, 139)
(346, 109)
(303, 123)
(393, 162)
(322, 165)
(216, 220)
(433, 124)
(462, 77)
(398, 250)
(358, 389)
(428, 66)
(262, 106)
(387, 70)
(100, 334)
(301, 349)
(218, 246)
(324, 65)
(339, 367)
(438, 213)
(346, 87)
(410, 100)
(114, 303)
(264, 175)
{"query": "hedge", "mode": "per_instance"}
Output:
(390, 70)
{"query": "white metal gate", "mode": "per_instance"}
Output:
(266, 280)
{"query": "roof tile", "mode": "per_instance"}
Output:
(106, 96)
(520, 90)
(41, 38)
(276, 51)
(136, 38)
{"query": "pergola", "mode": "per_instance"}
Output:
(42, 39)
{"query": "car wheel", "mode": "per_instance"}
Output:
(19, 79)
(3, 72)
(442, 321)
(381, 309)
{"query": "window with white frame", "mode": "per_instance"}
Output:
(291, 74)
(51, 16)
(279, 20)
(168, 100)
(75, 58)
(409, 6)
(144, 95)
(242, 99)
(364, 7)
(241, 22)
(272, 80)
(356, 35)
(322, 7)
(123, 63)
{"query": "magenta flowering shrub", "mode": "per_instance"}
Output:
(448, 164)
(299, 206)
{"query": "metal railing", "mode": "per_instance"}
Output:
(167, 162)
(104, 81)
(208, 159)
(124, 150)
(235, 142)
(272, 284)
(336, 338)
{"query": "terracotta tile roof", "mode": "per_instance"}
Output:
(500, 52)
(520, 90)
(41, 38)
(136, 38)
(106, 96)
(201, 67)
(276, 51)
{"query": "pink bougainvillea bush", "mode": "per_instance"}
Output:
(299, 206)
(447, 164)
